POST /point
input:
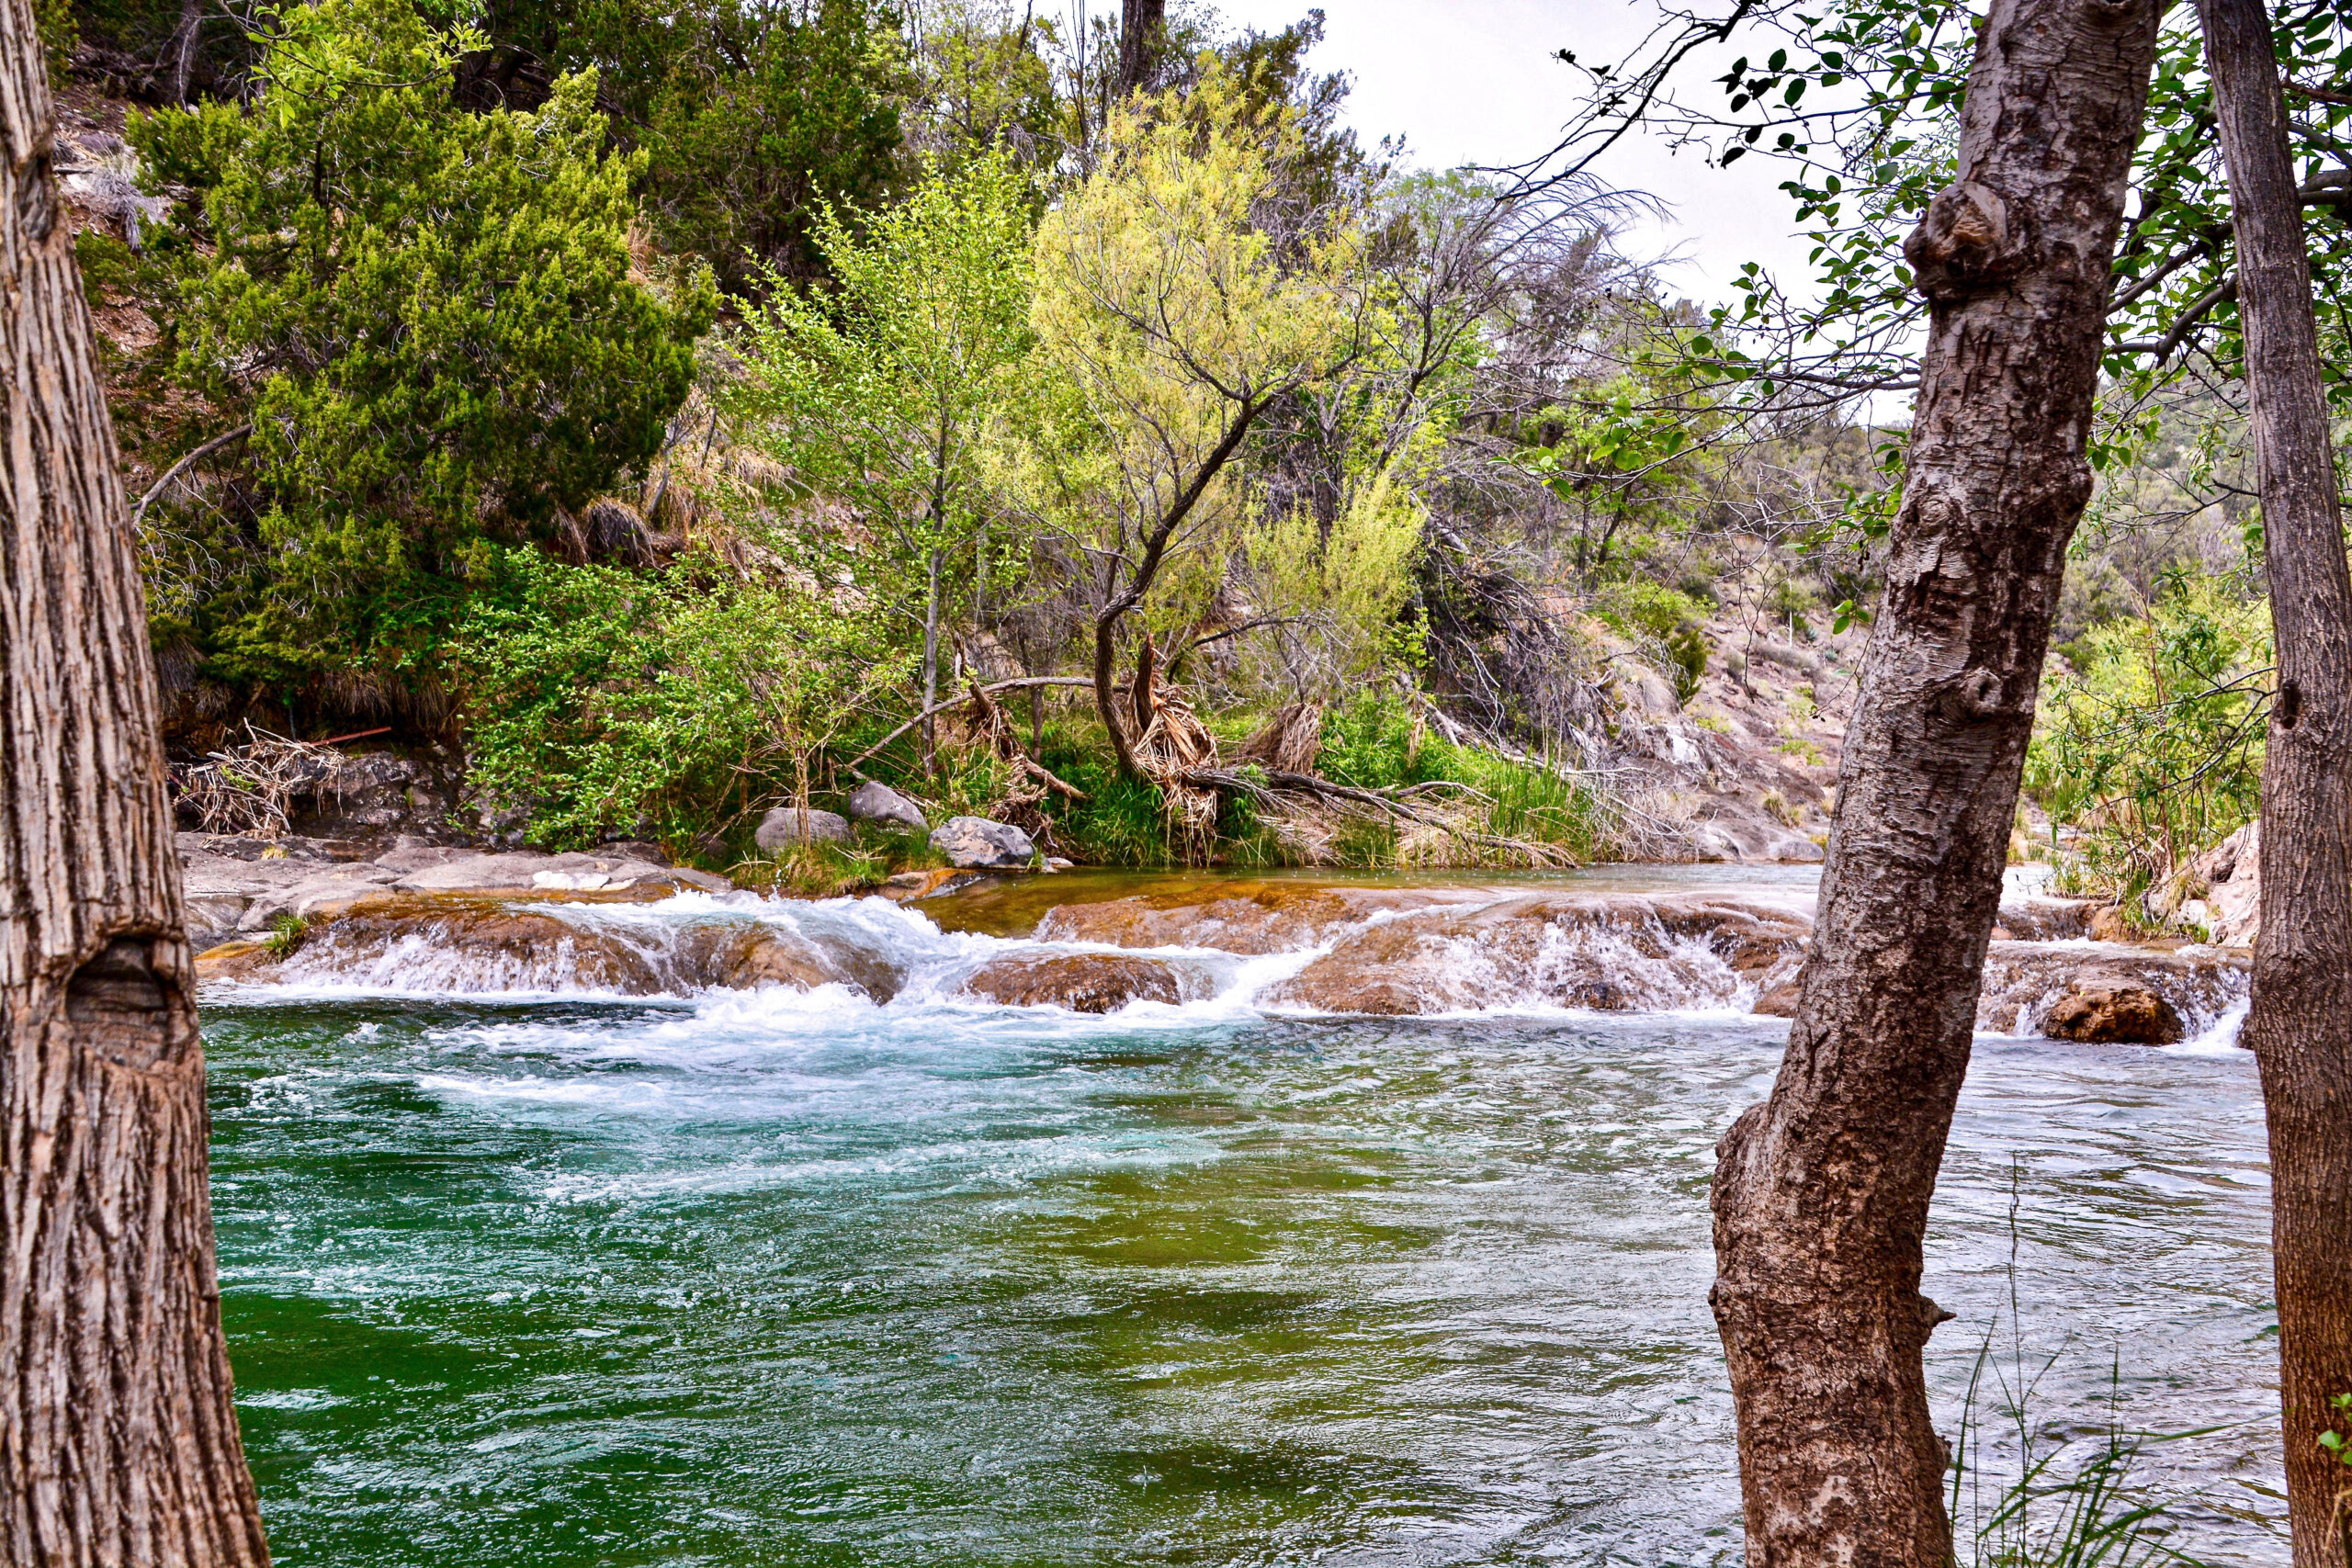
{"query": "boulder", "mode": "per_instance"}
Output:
(977, 843)
(2028, 987)
(872, 802)
(2122, 1015)
(788, 825)
(2045, 919)
(1082, 982)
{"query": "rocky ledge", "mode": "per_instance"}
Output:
(239, 886)
(468, 943)
(426, 917)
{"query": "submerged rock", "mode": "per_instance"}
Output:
(872, 802)
(977, 843)
(1082, 982)
(788, 825)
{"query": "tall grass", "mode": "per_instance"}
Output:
(2054, 1512)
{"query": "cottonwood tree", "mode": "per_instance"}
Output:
(888, 391)
(1822, 1194)
(118, 1435)
(2298, 1022)
(1172, 320)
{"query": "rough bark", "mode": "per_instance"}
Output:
(1143, 33)
(117, 1437)
(2298, 1022)
(1822, 1194)
(930, 664)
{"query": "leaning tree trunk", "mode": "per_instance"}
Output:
(1821, 1193)
(2300, 1021)
(117, 1439)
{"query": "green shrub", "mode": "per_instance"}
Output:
(685, 702)
(429, 317)
(1666, 617)
(2152, 741)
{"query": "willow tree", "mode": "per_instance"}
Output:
(886, 391)
(118, 1436)
(1172, 315)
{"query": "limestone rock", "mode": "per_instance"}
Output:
(2232, 872)
(788, 825)
(1608, 952)
(977, 843)
(1244, 915)
(1082, 982)
(872, 802)
(2028, 983)
(2130, 1015)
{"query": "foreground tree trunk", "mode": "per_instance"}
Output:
(2300, 1023)
(117, 1439)
(1821, 1193)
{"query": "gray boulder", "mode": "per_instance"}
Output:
(783, 827)
(879, 802)
(977, 843)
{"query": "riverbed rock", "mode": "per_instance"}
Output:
(2114, 1015)
(977, 843)
(412, 943)
(1241, 915)
(1608, 952)
(788, 825)
(872, 802)
(2028, 985)
(1082, 982)
(463, 944)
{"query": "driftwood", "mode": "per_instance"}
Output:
(991, 688)
(990, 722)
(1393, 804)
(1288, 742)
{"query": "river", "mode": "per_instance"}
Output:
(777, 1278)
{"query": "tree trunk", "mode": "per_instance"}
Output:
(1142, 32)
(2300, 1021)
(118, 1436)
(181, 50)
(930, 664)
(1821, 1193)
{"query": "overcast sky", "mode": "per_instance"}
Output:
(1475, 82)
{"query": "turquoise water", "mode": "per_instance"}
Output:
(773, 1279)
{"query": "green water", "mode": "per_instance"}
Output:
(782, 1280)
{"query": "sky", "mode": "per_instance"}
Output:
(1475, 82)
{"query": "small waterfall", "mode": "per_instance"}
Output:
(1505, 952)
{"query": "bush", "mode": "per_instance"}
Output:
(606, 701)
(1664, 616)
(429, 317)
(2152, 742)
